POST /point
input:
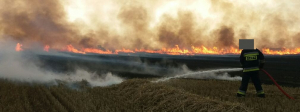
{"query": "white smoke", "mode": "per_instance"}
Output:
(19, 67)
(92, 78)
(218, 74)
(14, 66)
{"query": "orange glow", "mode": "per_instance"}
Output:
(19, 47)
(171, 51)
(46, 48)
(283, 51)
(124, 51)
(98, 51)
(70, 48)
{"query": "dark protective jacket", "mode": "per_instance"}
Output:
(252, 60)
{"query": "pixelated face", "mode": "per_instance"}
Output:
(246, 43)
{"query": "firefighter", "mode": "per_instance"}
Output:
(252, 60)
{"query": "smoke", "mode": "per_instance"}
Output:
(218, 74)
(41, 21)
(19, 67)
(179, 31)
(154, 24)
(226, 37)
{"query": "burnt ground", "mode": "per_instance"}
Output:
(284, 69)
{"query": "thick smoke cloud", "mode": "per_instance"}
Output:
(154, 24)
(36, 21)
(135, 20)
(179, 31)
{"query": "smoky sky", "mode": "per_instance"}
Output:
(154, 24)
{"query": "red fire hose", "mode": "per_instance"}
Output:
(277, 84)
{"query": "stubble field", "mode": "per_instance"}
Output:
(144, 95)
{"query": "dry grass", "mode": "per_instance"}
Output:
(142, 95)
(131, 95)
(225, 91)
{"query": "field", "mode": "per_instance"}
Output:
(284, 69)
(139, 93)
(144, 95)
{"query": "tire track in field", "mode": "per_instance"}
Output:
(53, 101)
(62, 101)
(39, 99)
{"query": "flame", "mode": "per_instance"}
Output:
(70, 48)
(171, 51)
(46, 48)
(283, 51)
(182, 51)
(97, 51)
(125, 51)
(19, 47)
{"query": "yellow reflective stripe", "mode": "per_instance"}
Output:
(251, 58)
(241, 93)
(261, 92)
(249, 70)
(252, 54)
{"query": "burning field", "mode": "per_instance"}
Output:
(111, 55)
(164, 27)
(34, 80)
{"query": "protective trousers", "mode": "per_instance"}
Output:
(254, 76)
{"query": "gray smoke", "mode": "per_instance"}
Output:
(16, 66)
(21, 67)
